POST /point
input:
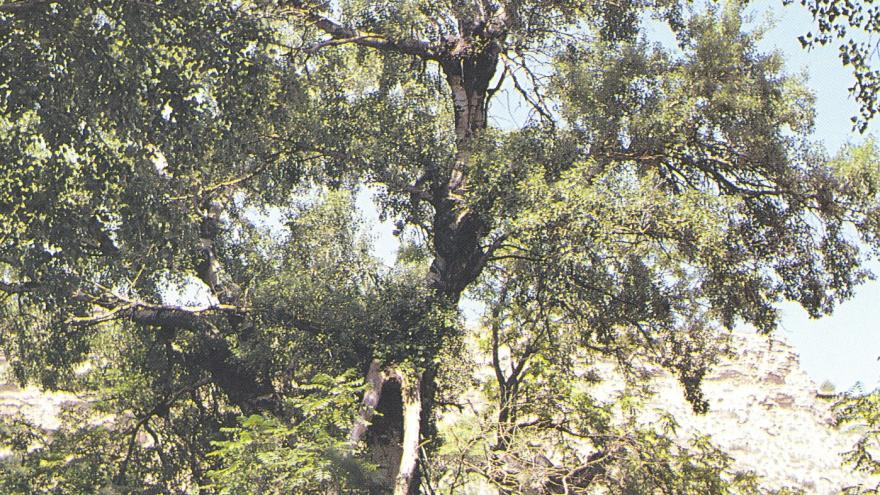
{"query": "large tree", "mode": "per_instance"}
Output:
(174, 216)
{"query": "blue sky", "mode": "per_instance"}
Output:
(842, 348)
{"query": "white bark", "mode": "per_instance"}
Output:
(412, 414)
(462, 106)
(375, 381)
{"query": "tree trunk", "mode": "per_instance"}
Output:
(394, 437)
(458, 234)
(375, 381)
(412, 418)
(459, 231)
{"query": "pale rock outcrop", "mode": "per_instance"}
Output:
(766, 413)
(39, 407)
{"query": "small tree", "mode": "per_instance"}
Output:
(827, 388)
(863, 412)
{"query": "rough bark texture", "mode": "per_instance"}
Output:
(384, 437)
(458, 239)
(394, 437)
(468, 62)
(412, 417)
(375, 381)
(245, 387)
(458, 230)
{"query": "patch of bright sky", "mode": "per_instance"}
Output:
(842, 348)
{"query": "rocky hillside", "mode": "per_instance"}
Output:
(40, 407)
(765, 412)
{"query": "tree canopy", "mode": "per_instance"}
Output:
(181, 243)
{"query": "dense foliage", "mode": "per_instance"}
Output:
(180, 242)
(862, 411)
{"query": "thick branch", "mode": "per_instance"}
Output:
(151, 314)
(23, 6)
(340, 34)
(19, 287)
(116, 307)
